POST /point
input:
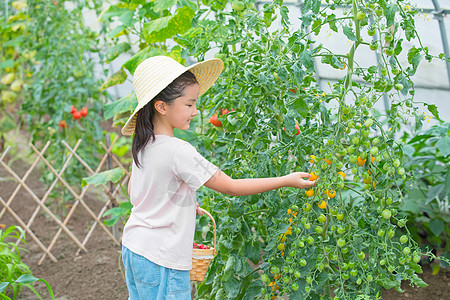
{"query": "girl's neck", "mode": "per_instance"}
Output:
(161, 128)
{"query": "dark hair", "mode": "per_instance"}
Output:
(144, 117)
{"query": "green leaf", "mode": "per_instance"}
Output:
(161, 5)
(112, 11)
(390, 14)
(116, 78)
(433, 109)
(128, 19)
(142, 55)
(307, 60)
(231, 287)
(414, 58)
(436, 227)
(115, 32)
(125, 104)
(229, 267)
(113, 175)
(7, 64)
(253, 251)
(115, 51)
(26, 279)
(3, 286)
(161, 29)
(444, 145)
(418, 281)
(349, 33)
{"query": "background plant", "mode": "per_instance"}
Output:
(14, 274)
(52, 52)
(426, 201)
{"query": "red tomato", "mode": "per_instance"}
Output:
(76, 115)
(215, 121)
(63, 124)
(72, 109)
(298, 129)
(84, 112)
(293, 91)
(225, 111)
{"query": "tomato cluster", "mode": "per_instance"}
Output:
(200, 246)
(78, 114)
(214, 119)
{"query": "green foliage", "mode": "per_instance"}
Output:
(269, 87)
(14, 273)
(428, 161)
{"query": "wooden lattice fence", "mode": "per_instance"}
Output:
(80, 198)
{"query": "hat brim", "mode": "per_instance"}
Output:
(206, 73)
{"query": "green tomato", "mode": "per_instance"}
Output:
(382, 262)
(416, 258)
(401, 171)
(297, 274)
(294, 286)
(406, 250)
(306, 207)
(353, 159)
(398, 86)
(345, 276)
(238, 5)
(388, 37)
(365, 132)
(369, 277)
(395, 71)
(360, 16)
(341, 242)
(386, 214)
(401, 223)
(307, 225)
(307, 289)
(383, 71)
(354, 170)
(344, 266)
(345, 249)
(340, 216)
(318, 230)
(373, 46)
(351, 149)
(309, 279)
(341, 229)
(310, 240)
(361, 255)
(354, 272)
(264, 278)
(381, 232)
(275, 270)
(391, 233)
(351, 264)
(374, 150)
(379, 11)
(358, 281)
(302, 262)
(322, 218)
(403, 239)
(368, 122)
(371, 31)
(389, 51)
(363, 155)
(334, 210)
(375, 141)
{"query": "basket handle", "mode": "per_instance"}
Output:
(214, 223)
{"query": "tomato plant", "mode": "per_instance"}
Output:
(268, 246)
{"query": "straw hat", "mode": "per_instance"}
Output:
(155, 73)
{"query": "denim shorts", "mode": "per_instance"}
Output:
(149, 281)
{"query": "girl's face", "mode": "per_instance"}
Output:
(184, 108)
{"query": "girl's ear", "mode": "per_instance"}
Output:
(160, 107)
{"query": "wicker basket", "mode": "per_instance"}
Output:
(201, 258)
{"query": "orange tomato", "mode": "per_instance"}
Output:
(322, 204)
(312, 158)
(331, 193)
(361, 161)
(342, 174)
(327, 160)
(372, 158)
(215, 120)
(310, 193)
(313, 177)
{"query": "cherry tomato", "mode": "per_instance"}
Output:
(340, 242)
(302, 262)
(264, 278)
(84, 111)
(403, 239)
(322, 218)
(306, 207)
(215, 121)
(76, 115)
(386, 214)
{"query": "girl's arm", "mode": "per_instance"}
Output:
(223, 183)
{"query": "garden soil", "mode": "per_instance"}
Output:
(97, 274)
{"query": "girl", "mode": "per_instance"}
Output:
(166, 172)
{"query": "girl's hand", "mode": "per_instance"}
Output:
(199, 211)
(296, 180)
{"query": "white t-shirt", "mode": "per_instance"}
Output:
(163, 193)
